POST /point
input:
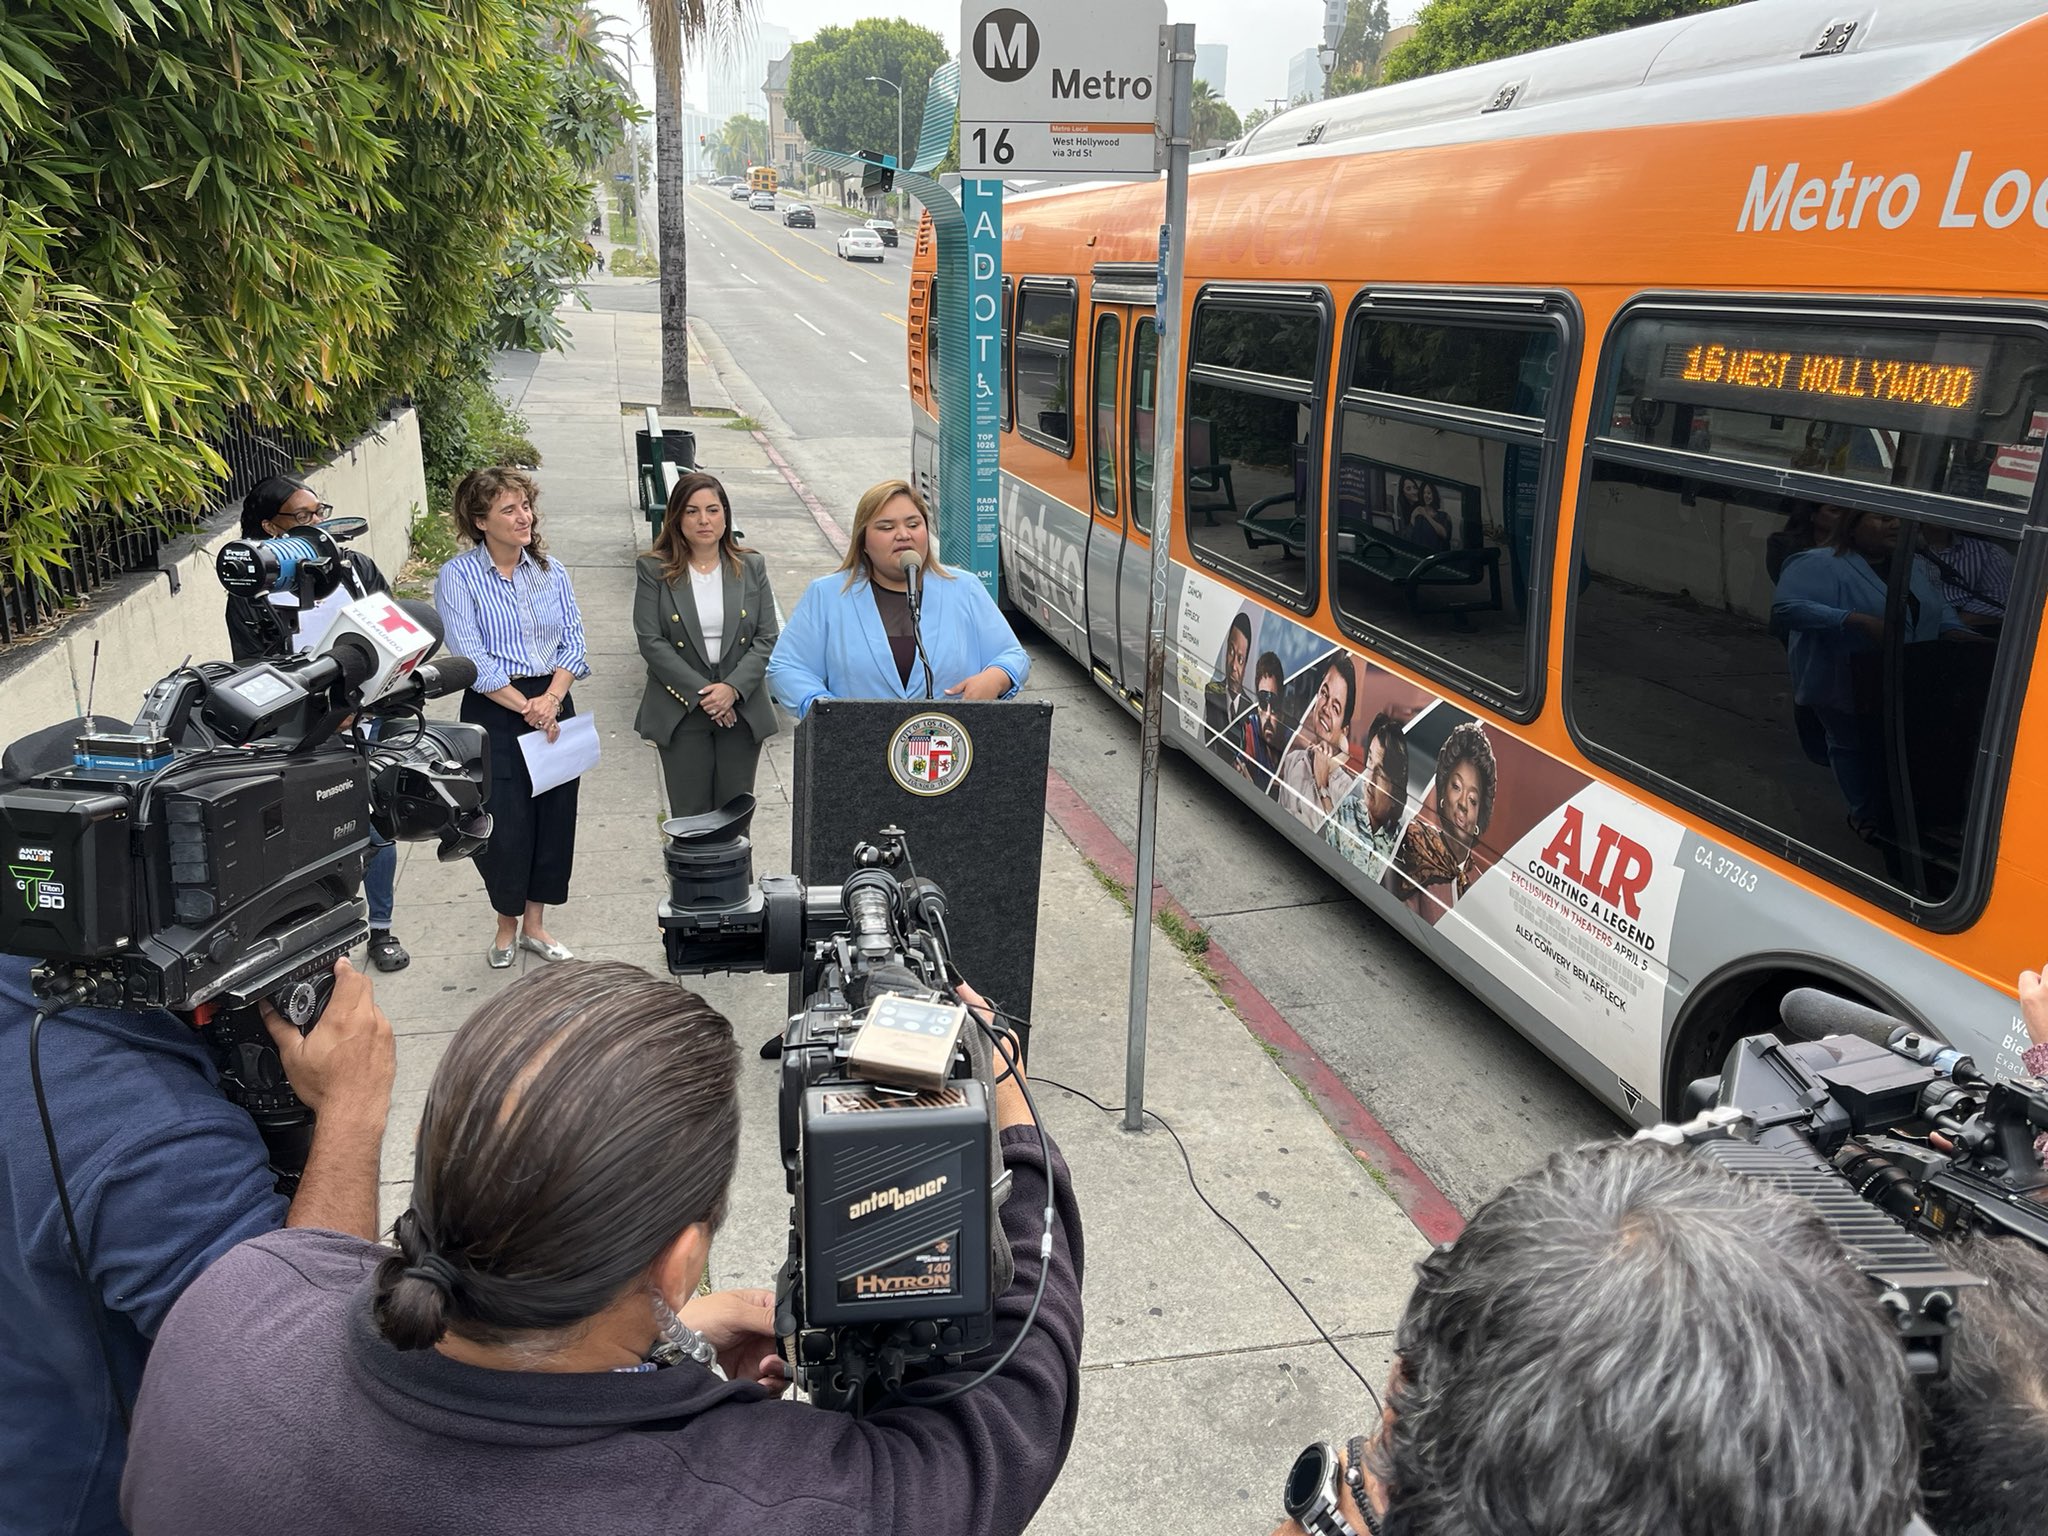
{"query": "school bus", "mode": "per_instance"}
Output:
(1608, 534)
(761, 178)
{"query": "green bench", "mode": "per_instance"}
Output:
(1414, 568)
(664, 457)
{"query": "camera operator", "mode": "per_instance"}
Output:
(258, 627)
(164, 1175)
(508, 1365)
(1631, 1339)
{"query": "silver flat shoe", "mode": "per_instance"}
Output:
(500, 959)
(545, 951)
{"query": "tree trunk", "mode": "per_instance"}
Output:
(670, 190)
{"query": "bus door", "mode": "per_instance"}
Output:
(1106, 526)
(1134, 587)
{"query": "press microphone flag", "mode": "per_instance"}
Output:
(383, 638)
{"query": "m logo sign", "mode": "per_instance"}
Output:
(1006, 45)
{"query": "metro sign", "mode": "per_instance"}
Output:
(1060, 90)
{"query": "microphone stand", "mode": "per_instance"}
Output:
(913, 591)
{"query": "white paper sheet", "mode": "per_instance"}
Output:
(570, 755)
(314, 622)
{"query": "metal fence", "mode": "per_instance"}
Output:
(104, 545)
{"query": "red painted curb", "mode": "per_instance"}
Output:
(1435, 1217)
(828, 525)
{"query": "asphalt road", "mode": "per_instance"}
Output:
(814, 348)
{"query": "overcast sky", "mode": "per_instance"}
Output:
(1261, 37)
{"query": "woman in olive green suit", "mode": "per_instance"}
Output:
(705, 620)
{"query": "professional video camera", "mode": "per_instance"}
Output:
(212, 854)
(1934, 1147)
(896, 1255)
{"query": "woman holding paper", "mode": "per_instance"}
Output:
(705, 619)
(264, 626)
(510, 609)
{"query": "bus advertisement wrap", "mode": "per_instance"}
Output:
(1531, 859)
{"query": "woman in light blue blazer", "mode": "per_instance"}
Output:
(851, 638)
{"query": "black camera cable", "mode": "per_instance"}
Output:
(92, 1300)
(1188, 1163)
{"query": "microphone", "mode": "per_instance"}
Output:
(911, 563)
(377, 641)
(1810, 1013)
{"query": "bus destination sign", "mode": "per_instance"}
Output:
(1881, 384)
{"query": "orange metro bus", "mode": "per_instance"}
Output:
(1609, 529)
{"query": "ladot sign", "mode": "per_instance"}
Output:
(1060, 90)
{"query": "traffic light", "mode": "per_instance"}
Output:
(879, 175)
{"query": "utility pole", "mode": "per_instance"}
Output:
(878, 80)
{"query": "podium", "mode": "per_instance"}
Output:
(966, 783)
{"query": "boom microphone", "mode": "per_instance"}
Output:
(1813, 1014)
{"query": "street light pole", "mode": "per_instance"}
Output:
(878, 80)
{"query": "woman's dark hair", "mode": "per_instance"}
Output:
(1468, 743)
(580, 1121)
(672, 548)
(264, 500)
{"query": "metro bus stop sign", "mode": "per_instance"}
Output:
(1060, 90)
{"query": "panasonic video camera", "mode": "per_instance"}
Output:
(1849, 1125)
(889, 1151)
(211, 855)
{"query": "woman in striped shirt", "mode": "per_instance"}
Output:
(509, 609)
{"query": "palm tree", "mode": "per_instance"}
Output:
(1213, 119)
(673, 27)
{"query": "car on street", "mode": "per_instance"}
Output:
(884, 229)
(764, 201)
(799, 216)
(859, 245)
(737, 191)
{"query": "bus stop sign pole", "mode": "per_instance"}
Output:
(1177, 74)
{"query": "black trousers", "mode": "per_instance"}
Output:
(533, 838)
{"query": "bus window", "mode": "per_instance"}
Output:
(1249, 474)
(1144, 401)
(1108, 343)
(1003, 383)
(1438, 488)
(931, 345)
(1044, 363)
(1815, 670)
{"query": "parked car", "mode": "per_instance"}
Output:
(737, 191)
(860, 245)
(764, 201)
(799, 216)
(884, 230)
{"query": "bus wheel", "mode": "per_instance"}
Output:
(1732, 1010)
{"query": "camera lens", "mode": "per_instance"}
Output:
(710, 858)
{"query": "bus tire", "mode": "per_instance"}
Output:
(1735, 1006)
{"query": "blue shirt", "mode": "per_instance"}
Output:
(165, 1175)
(835, 646)
(525, 627)
(1817, 592)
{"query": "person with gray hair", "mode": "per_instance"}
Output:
(1629, 1339)
(1985, 1468)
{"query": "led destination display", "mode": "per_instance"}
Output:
(1894, 379)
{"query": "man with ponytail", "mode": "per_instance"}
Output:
(533, 1356)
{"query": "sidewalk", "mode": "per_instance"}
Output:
(1201, 1378)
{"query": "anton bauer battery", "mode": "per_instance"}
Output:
(895, 1204)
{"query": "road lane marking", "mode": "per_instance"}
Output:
(890, 314)
(801, 320)
(734, 265)
(728, 218)
(749, 279)
(855, 355)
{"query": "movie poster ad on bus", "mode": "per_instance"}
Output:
(1547, 878)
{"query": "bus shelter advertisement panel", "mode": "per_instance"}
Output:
(1551, 880)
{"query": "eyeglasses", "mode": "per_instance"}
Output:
(318, 512)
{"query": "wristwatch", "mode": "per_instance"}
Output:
(1311, 1495)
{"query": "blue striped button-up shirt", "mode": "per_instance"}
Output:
(525, 627)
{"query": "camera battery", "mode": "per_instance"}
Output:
(894, 1201)
(907, 1041)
